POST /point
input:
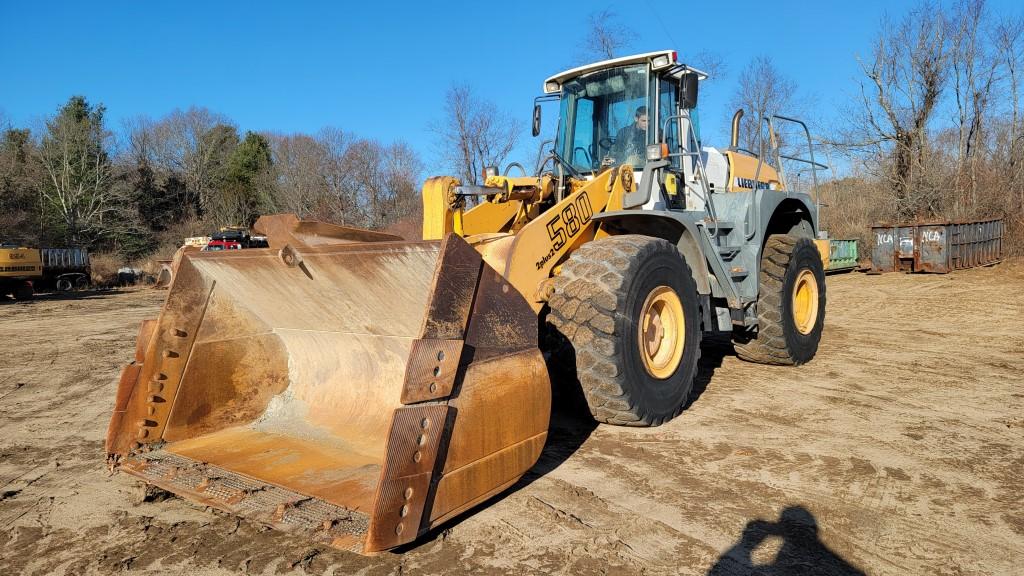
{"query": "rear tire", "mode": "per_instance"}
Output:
(64, 285)
(23, 292)
(628, 306)
(790, 304)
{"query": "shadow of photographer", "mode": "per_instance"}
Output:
(800, 550)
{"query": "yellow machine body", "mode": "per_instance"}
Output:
(20, 263)
(359, 388)
(743, 173)
(19, 266)
(825, 249)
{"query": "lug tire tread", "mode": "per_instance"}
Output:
(770, 346)
(583, 307)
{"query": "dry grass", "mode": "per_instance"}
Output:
(104, 266)
(851, 206)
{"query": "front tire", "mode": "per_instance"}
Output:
(628, 306)
(790, 304)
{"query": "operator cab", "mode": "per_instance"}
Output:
(642, 110)
(620, 111)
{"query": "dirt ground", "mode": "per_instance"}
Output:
(898, 450)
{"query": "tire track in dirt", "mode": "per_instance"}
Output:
(901, 443)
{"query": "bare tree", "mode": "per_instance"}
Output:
(186, 142)
(905, 78)
(474, 134)
(350, 181)
(606, 37)
(709, 61)
(138, 139)
(339, 176)
(1009, 46)
(974, 66)
(402, 175)
(301, 163)
(385, 180)
(158, 191)
(761, 90)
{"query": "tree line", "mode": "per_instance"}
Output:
(78, 184)
(932, 129)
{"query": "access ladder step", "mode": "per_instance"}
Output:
(728, 252)
(719, 224)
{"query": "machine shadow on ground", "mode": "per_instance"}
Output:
(799, 550)
(713, 350)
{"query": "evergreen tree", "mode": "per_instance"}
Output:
(246, 187)
(76, 185)
(19, 198)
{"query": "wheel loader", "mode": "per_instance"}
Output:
(362, 389)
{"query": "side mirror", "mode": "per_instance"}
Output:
(688, 98)
(536, 120)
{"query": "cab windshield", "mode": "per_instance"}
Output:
(604, 117)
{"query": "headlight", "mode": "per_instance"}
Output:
(657, 151)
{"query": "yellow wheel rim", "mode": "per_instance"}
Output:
(662, 332)
(805, 302)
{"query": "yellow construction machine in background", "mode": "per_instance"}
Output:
(19, 267)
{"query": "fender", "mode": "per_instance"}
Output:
(671, 226)
(774, 207)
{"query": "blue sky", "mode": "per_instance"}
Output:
(381, 69)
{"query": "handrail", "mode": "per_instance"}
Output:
(819, 165)
(775, 150)
(751, 201)
(831, 168)
(515, 165)
(705, 193)
(810, 150)
(541, 157)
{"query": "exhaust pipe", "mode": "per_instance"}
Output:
(734, 141)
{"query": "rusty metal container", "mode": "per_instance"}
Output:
(937, 247)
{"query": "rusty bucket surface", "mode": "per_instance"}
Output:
(164, 274)
(362, 392)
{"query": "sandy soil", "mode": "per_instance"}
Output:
(898, 450)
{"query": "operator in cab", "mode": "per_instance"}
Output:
(631, 140)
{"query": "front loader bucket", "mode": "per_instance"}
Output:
(362, 392)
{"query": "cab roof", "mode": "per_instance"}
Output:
(646, 57)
